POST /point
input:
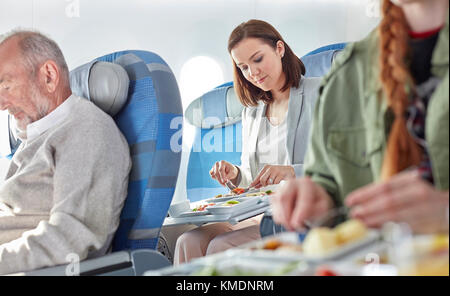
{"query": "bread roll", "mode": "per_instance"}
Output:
(349, 231)
(319, 241)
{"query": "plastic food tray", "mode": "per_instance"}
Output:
(225, 198)
(193, 213)
(244, 204)
(255, 249)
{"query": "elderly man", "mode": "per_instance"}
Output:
(66, 184)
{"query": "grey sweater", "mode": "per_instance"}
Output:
(64, 191)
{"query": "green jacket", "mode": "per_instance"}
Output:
(349, 129)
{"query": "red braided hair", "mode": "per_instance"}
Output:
(401, 151)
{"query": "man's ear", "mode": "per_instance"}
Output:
(49, 75)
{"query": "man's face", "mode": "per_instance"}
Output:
(19, 92)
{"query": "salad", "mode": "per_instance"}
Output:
(202, 207)
(261, 193)
(230, 203)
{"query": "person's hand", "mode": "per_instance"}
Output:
(404, 198)
(222, 171)
(298, 201)
(273, 174)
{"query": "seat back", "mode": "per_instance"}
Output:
(216, 116)
(217, 119)
(151, 121)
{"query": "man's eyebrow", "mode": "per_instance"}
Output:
(251, 57)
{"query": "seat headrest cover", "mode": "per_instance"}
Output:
(216, 108)
(103, 83)
(317, 65)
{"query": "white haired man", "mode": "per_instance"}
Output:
(66, 184)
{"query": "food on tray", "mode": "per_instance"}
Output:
(238, 190)
(202, 207)
(230, 203)
(256, 194)
(424, 255)
(440, 242)
(320, 241)
(224, 195)
(350, 230)
(272, 244)
(243, 268)
(261, 193)
(325, 271)
(275, 244)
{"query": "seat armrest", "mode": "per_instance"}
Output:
(109, 263)
(122, 263)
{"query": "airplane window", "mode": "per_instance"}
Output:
(199, 75)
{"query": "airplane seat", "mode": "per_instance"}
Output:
(151, 121)
(216, 116)
(318, 62)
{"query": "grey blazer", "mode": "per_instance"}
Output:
(299, 118)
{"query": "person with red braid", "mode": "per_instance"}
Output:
(380, 134)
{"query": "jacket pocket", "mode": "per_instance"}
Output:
(352, 145)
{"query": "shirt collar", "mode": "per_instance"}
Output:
(54, 118)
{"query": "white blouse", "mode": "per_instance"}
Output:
(271, 144)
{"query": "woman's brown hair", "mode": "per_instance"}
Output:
(401, 151)
(248, 94)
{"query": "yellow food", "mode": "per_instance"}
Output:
(272, 244)
(440, 242)
(256, 194)
(275, 244)
(349, 231)
(320, 241)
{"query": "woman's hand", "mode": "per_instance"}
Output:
(273, 174)
(297, 201)
(222, 171)
(404, 198)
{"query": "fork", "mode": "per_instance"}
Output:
(325, 218)
(231, 186)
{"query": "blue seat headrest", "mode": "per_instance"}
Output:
(318, 64)
(103, 83)
(216, 108)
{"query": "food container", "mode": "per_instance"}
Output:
(253, 192)
(176, 209)
(234, 206)
(288, 247)
(199, 210)
(418, 255)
